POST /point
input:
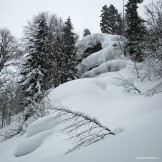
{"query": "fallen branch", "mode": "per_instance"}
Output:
(82, 129)
(155, 90)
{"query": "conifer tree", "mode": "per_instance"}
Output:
(111, 21)
(34, 73)
(154, 22)
(55, 46)
(135, 30)
(68, 58)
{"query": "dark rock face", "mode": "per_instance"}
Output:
(91, 50)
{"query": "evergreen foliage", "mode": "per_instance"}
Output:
(34, 73)
(154, 21)
(55, 51)
(50, 59)
(111, 21)
(135, 31)
(68, 56)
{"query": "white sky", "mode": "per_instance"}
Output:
(84, 13)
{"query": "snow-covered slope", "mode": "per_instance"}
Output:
(104, 98)
(108, 97)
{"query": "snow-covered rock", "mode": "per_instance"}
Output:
(109, 66)
(112, 49)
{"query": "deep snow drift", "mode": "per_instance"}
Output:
(114, 106)
(114, 103)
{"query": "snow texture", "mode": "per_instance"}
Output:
(109, 66)
(103, 97)
(112, 49)
(35, 135)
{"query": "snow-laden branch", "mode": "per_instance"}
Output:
(82, 129)
(127, 84)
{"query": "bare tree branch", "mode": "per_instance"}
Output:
(127, 84)
(82, 129)
(155, 90)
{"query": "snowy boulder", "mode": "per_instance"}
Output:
(91, 41)
(112, 48)
(109, 66)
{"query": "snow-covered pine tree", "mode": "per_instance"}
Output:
(86, 32)
(111, 21)
(60, 65)
(68, 58)
(135, 30)
(34, 72)
(154, 22)
(55, 25)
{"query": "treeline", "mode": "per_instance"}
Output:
(46, 55)
(46, 58)
(132, 26)
(143, 36)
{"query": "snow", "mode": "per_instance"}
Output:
(28, 145)
(105, 99)
(102, 98)
(106, 40)
(35, 135)
(109, 51)
(125, 147)
(109, 66)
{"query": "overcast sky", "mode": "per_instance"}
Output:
(84, 13)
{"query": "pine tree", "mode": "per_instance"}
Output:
(34, 73)
(135, 31)
(86, 32)
(111, 21)
(55, 48)
(154, 22)
(60, 61)
(68, 57)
